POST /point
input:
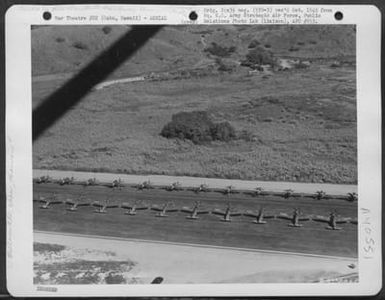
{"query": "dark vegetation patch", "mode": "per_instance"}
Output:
(60, 39)
(253, 44)
(259, 56)
(40, 247)
(80, 45)
(197, 127)
(221, 51)
(106, 29)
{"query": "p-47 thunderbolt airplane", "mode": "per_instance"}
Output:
(43, 179)
(259, 216)
(167, 207)
(74, 204)
(47, 202)
(227, 214)
(201, 188)
(194, 211)
(144, 185)
(66, 180)
(175, 186)
(332, 221)
(294, 218)
(102, 208)
(131, 209)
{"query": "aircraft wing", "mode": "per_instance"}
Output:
(97, 204)
(156, 207)
(141, 207)
(171, 209)
(112, 206)
(218, 212)
(54, 201)
(251, 214)
(268, 216)
(202, 212)
(84, 204)
(284, 216)
(235, 213)
(343, 220)
(126, 206)
(304, 218)
(69, 201)
(321, 219)
(186, 209)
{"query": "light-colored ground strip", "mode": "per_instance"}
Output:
(273, 186)
(183, 263)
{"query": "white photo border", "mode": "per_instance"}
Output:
(18, 21)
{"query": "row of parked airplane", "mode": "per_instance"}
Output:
(194, 211)
(176, 186)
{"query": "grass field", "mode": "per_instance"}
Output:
(300, 124)
(241, 232)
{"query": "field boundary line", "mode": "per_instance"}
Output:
(195, 245)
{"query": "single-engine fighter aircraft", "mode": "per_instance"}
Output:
(47, 202)
(259, 216)
(352, 197)
(332, 221)
(319, 195)
(74, 204)
(201, 188)
(194, 211)
(43, 179)
(131, 209)
(90, 182)
(102, 208)
(167, 207)
(117, 183)
(66, 180)
(258, 191)
(144, 185)
(294, 218)
(227, 214)
(175, 186)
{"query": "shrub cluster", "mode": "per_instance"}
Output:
(257, 57)
(197, 127)
(220, 51)
(80, 45)
(106, 29)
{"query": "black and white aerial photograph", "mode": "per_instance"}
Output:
(194, 154)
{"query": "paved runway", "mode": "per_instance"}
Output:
(312, 238)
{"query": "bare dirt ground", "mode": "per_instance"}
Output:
(178, 263)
